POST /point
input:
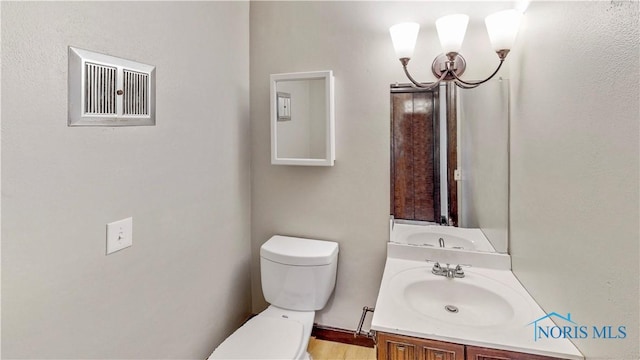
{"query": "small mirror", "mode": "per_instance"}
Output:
(302, 120)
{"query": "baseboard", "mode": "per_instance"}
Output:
(341, 336)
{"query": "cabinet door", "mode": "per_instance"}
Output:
(477, 353)
(395, 348)
(400, 351)
(438, 354)
(436, 350)
(392, 347)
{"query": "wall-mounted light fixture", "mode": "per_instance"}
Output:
(501, 26)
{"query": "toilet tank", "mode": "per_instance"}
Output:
(298, 274)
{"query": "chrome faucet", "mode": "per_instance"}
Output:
(449, 272)
(441, 242)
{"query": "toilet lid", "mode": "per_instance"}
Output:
(262, 337)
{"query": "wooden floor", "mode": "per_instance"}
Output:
(328, 350)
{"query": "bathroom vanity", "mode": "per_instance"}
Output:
(479, 311)
(447, 291)
(399, 347)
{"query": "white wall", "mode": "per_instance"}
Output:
(349, 202)
(574, 165)
(318, 119)
(294, 134)
(483, 128)
(184, 284)
(304, 136)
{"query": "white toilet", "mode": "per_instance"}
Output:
(298, 276)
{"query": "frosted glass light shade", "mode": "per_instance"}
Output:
(503, 28)
(451, 30)
(404, 37)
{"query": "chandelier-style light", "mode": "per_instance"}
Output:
(449, 66)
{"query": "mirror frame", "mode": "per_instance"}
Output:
(330, 153)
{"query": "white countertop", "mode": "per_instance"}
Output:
(392, 316)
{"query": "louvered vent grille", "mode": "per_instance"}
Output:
(100, 90)
(136, 88)
(108, 91)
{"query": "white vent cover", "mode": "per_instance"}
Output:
(109, 91)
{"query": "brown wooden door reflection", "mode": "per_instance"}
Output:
(415, 156)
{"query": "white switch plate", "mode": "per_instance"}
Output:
(119, 235)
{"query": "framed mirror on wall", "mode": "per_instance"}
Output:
(302, 119)
(449, 158)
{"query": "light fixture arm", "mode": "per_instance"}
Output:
(463, 86)
(476, 83)
(449, 67)
(405, 62)
(502, 54)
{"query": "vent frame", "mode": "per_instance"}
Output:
(80, 89)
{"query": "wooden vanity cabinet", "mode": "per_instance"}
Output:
(478, 353)
(400, 347)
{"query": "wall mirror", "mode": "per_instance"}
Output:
(302, 119)
(449, 158)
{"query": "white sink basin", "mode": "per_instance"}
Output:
(429, 235)
(432, 239)
(494, 310)
(472, 301)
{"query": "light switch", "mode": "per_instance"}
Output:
(119, 235)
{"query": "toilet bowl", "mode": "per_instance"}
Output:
(298, 276)
(273, 334)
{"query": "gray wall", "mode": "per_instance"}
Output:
(184, 284)
(347, 203)
(303, 136)
(574, 165)
(483, 128)
(574, 150)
